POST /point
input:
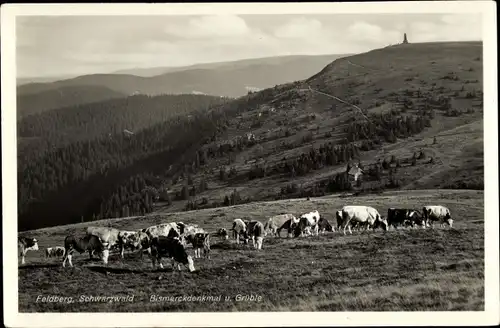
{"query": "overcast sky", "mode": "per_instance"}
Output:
(63, 45)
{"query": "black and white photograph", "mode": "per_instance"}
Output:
(250, 164)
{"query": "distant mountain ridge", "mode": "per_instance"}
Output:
(229, 79)
(277, 60)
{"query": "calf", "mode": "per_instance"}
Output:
(200, 240)
(325, 226)
(87, 243)
(222, 233)
(256, 232)
(170, 247)
(439, 213)
(57, 251)
(25, 244)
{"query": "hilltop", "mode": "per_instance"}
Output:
(418, 124)
(231, 79)
(410, 114)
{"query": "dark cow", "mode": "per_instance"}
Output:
(25, 244)
(324, 225)
(289, 226)
(162, 246)
(403, 217)
(199, 240)
(340, 219)
(256, 231)
(87, 243)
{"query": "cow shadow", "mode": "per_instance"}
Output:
(107, 269)
(38, 266)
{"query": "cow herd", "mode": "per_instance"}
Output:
(170, 240)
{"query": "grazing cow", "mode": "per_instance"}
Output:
(256, 231)
(137, 240)
(57, 251)
(289, 226)
(239, 228)
(108, 236)
(222, 233)
(403, 216)
(164, 229)
(324, 226)
(170, 247)
(363, 215)
(355, 225)
(308, 222)
(87, 243)
(439, 213)
(200, 240)
(275, 223)
(25, 244)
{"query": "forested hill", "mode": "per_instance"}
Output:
(64, 126)
(410, 115)
(78, 179)
(63, 97)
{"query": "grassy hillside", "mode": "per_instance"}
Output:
(402, 270)
(223, 79)
(438, 82)
(63, 97)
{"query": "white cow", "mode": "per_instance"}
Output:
(307, 222)
(439, 213)
(239, 228)
(276, 223)
(362, 215)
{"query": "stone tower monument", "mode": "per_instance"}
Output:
(405, 40)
